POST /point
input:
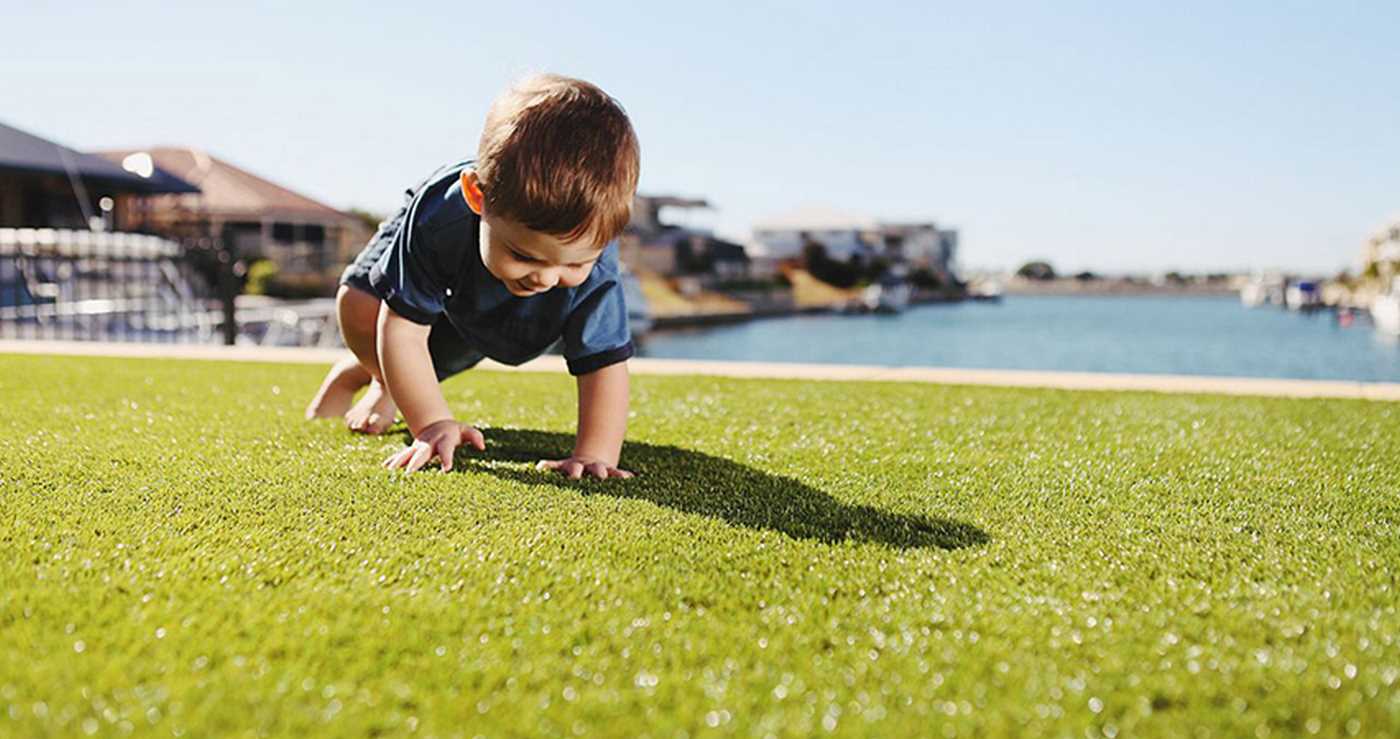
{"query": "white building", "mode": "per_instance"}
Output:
(844, 235)
(921, 244)
(847, 235)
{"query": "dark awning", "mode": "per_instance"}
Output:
(25, 152)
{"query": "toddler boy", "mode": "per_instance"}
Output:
(498, 257)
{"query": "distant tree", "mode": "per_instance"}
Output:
(1036, 271)
(831, 271)
(1175, 278)
(926, 278)
(1086, 276)
(875, 269)
(261, 274)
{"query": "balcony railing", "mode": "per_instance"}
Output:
(103, 286)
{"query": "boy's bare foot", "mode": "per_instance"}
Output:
(338, 390)
(375, 412)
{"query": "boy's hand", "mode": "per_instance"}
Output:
(438, 440)
(576, 467)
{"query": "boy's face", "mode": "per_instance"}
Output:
(529, 262)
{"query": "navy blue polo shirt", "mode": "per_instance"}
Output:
(430, 267)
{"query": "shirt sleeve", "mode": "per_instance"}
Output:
(596, 334)
(410, 275)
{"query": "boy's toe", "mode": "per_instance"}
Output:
(378, 423)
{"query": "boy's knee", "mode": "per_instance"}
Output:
(358, 313)
(355, 307)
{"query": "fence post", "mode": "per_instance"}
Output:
(227, 288)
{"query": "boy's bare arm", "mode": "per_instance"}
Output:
(602, 423)
(411, 381)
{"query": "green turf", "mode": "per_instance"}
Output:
(182, 555)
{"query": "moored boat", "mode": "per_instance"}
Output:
(985, 289)
(1262, 290)
(1303, 295)
(888, 295)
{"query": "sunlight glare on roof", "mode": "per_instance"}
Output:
(139, 164)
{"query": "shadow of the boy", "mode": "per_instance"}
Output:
(698, 483)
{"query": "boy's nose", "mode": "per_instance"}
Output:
(546, 278)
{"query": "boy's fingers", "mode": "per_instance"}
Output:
(474, 437)
(421, 454)
(445, 449)
(394, 459)
(575, 469)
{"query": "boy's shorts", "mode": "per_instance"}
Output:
(450, 352)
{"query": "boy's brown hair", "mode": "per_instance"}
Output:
(559, 156)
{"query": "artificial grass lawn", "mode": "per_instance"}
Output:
(181, 554)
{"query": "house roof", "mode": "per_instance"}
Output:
(21, 151)
(228, 190)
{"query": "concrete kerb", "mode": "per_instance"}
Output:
(1385, 391)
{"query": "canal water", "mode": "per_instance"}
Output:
(1154, 335)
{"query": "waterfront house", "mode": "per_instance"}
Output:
(309, 241)
(845, 236)
(47, 185)
(67, 271)
(653, 243)
(854, 237)
(922, 246)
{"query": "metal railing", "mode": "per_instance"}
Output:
(104, 286)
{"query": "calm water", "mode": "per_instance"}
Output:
(1193, 336)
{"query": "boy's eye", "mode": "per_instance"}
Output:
(521, 257)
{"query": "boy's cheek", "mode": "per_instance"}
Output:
(577, 278)
(502, 269)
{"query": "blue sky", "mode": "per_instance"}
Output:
(1166, 135)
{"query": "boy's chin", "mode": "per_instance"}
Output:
(520, 291)
(513, 286)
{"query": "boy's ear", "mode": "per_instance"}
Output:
(471, 190)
